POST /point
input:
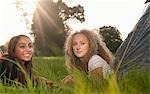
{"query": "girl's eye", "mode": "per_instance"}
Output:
(21, 46)
(74, 44)
(30, 45)
(82, 43)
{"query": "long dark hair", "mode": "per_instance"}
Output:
(10, 64)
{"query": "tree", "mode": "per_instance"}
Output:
(111, 37)
(3, 49)
(49, 25)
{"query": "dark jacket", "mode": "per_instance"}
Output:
(9, 70)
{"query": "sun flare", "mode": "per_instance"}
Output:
(11, 21)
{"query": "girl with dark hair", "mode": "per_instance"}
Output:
(17, 65)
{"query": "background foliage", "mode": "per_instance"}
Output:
(112, 37)
(49, 25)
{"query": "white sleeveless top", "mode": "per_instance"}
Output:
(96, 61)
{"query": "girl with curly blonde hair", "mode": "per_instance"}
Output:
(86, 51)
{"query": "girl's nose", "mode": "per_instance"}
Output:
(78, 47)
(28, 48)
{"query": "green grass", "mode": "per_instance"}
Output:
(54, 69)
(50, 67)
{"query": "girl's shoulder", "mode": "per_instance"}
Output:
(4, 58)
(95, 62)
(5, 61)
(96, 58)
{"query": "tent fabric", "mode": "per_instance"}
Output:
(134, 52)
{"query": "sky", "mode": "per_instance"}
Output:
(122, 14)
(10, 22)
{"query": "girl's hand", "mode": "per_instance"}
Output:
(67, 79)
(46, 82)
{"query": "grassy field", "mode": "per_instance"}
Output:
(54, 69)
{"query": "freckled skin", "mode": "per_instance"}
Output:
(24, 49)
(80, 45)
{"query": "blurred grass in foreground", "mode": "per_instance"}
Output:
(54, 69)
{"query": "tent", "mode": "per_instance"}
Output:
(134, 52)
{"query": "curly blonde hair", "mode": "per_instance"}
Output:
(96, 44)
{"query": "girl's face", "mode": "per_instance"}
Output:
(80, 45)
(24, 49)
